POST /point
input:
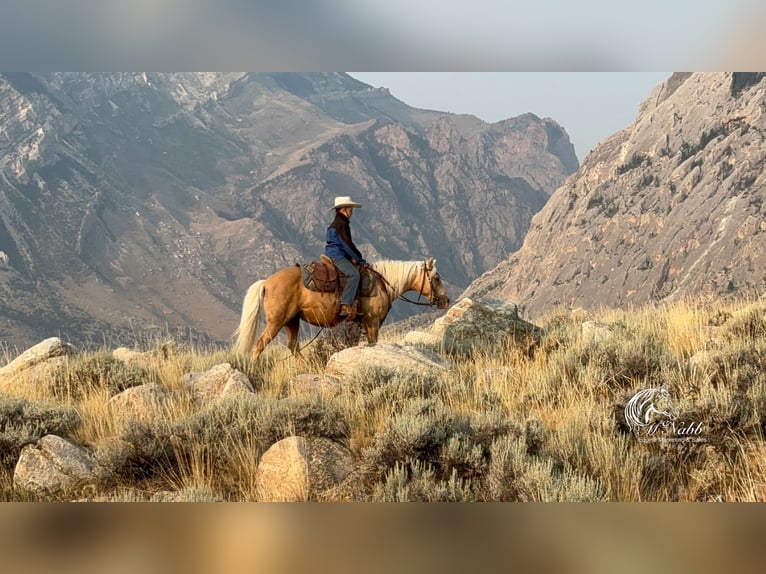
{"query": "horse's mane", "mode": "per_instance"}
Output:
(398, 273)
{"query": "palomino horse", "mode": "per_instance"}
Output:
(286, 301)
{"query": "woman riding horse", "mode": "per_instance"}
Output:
(346, 256)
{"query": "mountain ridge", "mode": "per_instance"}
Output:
(667, 208)
(137, 201)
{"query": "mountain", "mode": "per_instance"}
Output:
(668, 208)
(133, 202)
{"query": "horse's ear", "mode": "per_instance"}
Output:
(431, 262)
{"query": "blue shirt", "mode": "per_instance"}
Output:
(339, 243)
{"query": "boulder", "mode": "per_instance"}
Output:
(34, 376)
(55, 466)
(128, 356)
(388, 356)
(486, 324)
(143, 402)
(219, 381)
(297, 469)
(42, 352)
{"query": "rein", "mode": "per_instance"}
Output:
(428, 304)
(303, 348)
(420, 291)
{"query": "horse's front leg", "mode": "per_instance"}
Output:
(373, 328)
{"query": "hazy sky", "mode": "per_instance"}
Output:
(439, 35)
(590, 106)
(304, 35)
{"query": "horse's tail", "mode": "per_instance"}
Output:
(248, 323)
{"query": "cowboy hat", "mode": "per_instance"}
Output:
(345, 201)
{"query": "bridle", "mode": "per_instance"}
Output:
(432, 300)
(431, 278)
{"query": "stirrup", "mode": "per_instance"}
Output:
(350, 316)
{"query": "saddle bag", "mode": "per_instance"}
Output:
(321, 277)
(324, 277)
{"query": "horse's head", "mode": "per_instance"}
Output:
(433, 288)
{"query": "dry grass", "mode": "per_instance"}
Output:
(505, 425)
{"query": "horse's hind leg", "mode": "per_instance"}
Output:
(266, 337)
(293, 330)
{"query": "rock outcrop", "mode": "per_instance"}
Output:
(488, 326)
(388, 357)
(312, 383)
(44, 351)
(670, 207)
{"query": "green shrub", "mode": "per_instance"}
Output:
(622, 361)
(416, 481)
(428, 432)
(516, 475)
(184, 494)
(392, 389)
(23, 422)
(217, 434)
(561, 331)
(636, 160)
(144, 451)
(95, 371)
(739, 366)
(268, 420)
(222, 430)
(670, 471)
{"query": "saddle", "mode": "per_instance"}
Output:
(323, 277)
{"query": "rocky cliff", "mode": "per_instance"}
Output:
(670, 207)
(138, 201)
